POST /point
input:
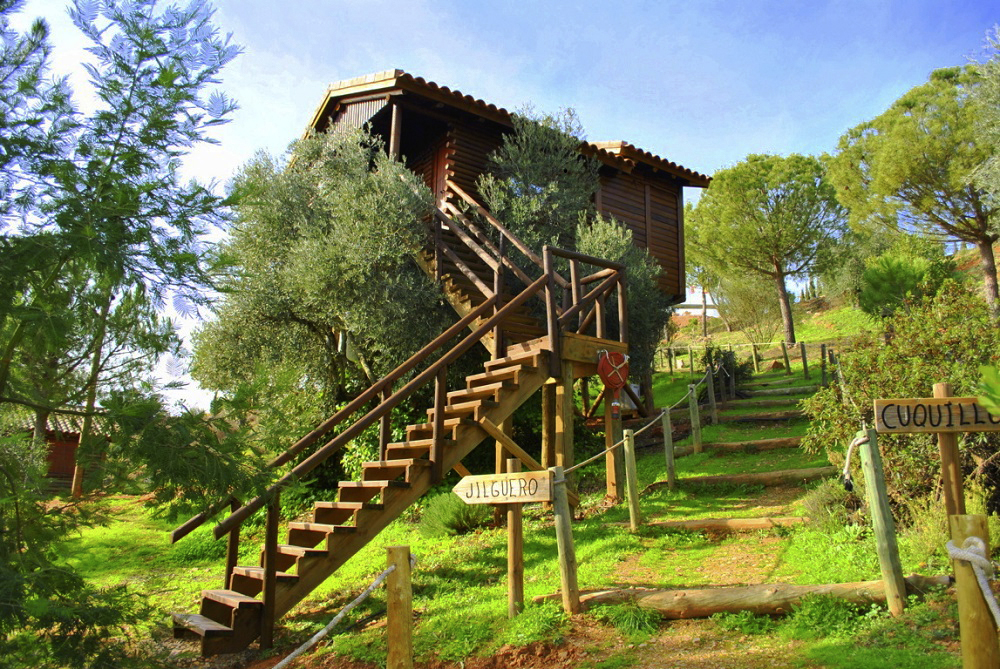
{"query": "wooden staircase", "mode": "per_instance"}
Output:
(229, 620)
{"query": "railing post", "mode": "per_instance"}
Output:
(552, 320)
(622, 310)
(515, 552)
(691, 360)
(498, 286)
(634, 515)
(437, 246)
(384, 426)
(883, 525)
(756, 363)
(805, 364)
(399, 609)
(977, 629)
(574, 283)
(270, 571)
(822, 364)
(695, 417)
(438, 435)
(564, 540)
(784, 354)
(713, 409)
(668, 448)
(601, 318)
(232, 547)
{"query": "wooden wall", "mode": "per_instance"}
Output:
(470, 146)
(651, 208)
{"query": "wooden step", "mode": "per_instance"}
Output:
(338, 513)
(232, 599)
(363, 491)
(532, 359)
(388, 470)
(194, 623)
(510, 373)
(313, 534)
(250, 580)
(426, 430)
(484, 391)
(475, 408)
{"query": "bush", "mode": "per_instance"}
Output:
(944, 339)
(629, 618)
(447, 515)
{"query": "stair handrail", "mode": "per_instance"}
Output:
(350, 408)
(237, 517)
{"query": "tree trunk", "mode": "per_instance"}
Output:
(786, 307)
(989, 266)
(769, 599)
(84, 451)
(704, 313)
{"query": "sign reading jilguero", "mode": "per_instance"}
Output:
(934, 414)
(515, 488)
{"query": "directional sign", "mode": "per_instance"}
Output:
(933, 414)
(516, 488)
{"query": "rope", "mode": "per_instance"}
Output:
(846, 476)
(340, 616)
(973, 551)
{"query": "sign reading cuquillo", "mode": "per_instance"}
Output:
(933, 414)
(515, 488)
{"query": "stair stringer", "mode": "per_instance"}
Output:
(313, 571)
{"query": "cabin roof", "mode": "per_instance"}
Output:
(618, 154)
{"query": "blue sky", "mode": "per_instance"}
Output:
(702, 83)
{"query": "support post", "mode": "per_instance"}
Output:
(232, 547)
(980, 649)
(515, 552)
(564, 418)
(270, 572)
(885, 528)
(784, 354)
(384, 426)
(634, 515)
(713, 409)
(437, 426)
(756, 363)
(951, 469)
(695, 417)
(614, 463)
(668, 448)
(805, 364)
(399, 605)
(564, 540)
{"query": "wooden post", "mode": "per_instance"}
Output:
(951, 469)
(438, 433)
(564, 540)
(634, 515)
(713, 410)
(822, 364)
(695, 417)
(232, 547)
(384, 426)
(515, 551)
(670, 360)
(270, 572)
(978, 630)
(756, 363)
(784, 354)
(564, 419)
(668, 448)
(805, 365)
(732, 380)
(399, 605)
(691, 360)
(548, 424)
(614, 462)
(885, 528)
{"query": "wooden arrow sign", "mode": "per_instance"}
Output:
(516, 488)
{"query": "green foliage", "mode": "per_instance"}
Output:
(830, 505)
(945, 338)
(770, 217)
(650, 311)
(448, 515)
(630, 619)
(822, 617)
(538, 622)
(911, 268)
(912, 167)
(747, 304)
(744, 622)
(538, 183)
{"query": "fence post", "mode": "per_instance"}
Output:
(784, 354)
(691, 360)
(976, 625)
(805, 365)
(634, 515)
(951, 463)
(713, 410)
(822, 364)
(753, 353)
(515, 551)
(670, 359)
(270, 572)
(885, 528)
(564, 540)
(668, 448)
(399, 604)
(695, 417)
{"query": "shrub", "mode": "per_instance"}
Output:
(822, 617)
(448, 515)
(629, 618)
(744, 622)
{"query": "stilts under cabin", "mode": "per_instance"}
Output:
(446, 137)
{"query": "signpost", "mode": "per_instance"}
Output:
(515, 488)
(946, 415)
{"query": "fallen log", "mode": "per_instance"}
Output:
(776, 478)
(727, 524)
(768, 598)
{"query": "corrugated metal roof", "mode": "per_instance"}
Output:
(618, 153)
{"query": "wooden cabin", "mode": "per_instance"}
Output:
(446, 136)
